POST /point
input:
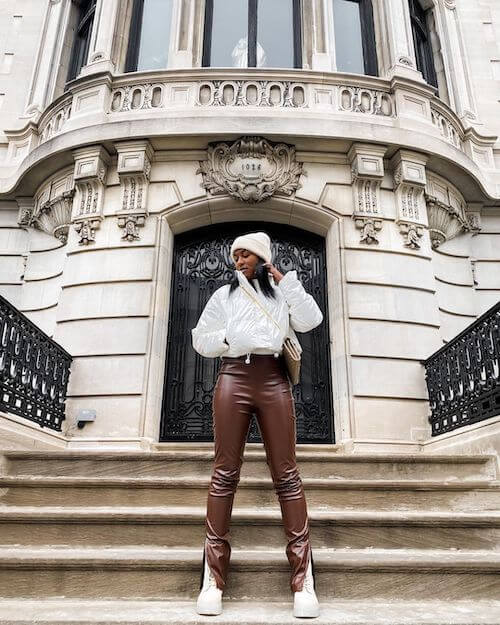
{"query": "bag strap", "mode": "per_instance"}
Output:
(259, 304)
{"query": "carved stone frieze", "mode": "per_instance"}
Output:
(369, 229)
(251, 169)
(91, 165)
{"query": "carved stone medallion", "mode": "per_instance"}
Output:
(251, 169)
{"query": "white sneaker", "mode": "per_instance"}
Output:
(210, 597)
(305, 602)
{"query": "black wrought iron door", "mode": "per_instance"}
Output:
(202, 264)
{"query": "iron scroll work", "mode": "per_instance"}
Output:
(202, 264)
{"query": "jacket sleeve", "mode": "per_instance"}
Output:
(305, 314)
(208, 335)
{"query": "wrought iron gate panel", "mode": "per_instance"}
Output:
(202, 264)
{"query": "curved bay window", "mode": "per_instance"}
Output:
(81, 42)
(149, 39)
(355, 49)
(422, 43)
(252, 33)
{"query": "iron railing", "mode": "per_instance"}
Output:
(463, 376)
(34, 370)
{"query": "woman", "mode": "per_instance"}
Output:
(253, 378)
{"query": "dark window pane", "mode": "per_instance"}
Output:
(81, 43)
(348, 39)
(275, 33)
(229, 34)
(154, 34)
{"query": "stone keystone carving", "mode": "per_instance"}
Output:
(251, 169)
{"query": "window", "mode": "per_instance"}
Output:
(355, 49)
(81, 42)
(149, 39)
(422, 43)
(252, 33)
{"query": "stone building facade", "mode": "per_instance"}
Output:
(369, 127)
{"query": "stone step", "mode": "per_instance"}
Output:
(185, 463)
(332, 612)
(479, 495)
(184, 527)
(163, 573)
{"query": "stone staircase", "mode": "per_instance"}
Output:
(116, 537)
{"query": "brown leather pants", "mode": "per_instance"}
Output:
(261, 387)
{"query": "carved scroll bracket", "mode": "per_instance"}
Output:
(447, 211)
(134, 170)
(367, 170)
(251, 169)
(91, 166)
(409, 187)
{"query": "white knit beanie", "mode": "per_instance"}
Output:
(257, 242)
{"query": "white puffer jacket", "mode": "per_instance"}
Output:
(246, 327)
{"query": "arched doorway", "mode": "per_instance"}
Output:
(201, 264)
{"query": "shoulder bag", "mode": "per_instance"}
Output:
(290, 351)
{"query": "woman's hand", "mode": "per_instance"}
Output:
(277, 275)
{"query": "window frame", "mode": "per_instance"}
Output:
(81, 46)
(368, 40)
(252, 34)
(424, 54)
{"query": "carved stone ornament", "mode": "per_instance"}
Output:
(86, 230)
(369, 229)
(91, 165)
(251, 169)
(412, 234)
(445, 221)
(54, 216)
(130, 223)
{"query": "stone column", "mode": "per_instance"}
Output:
(396, 26)
(103, 31)
(460, 87)
(46, 66)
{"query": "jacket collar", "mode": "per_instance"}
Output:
(245, 282)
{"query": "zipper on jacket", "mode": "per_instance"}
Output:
(247, 359)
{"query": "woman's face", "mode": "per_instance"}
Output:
(245, 261)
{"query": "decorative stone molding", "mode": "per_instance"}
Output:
(409, 187)
(86, 229)
(412, 234)
(49, 210)
(91, 166)
(134, 169)
(252, 93)
(251, 169)
(367, 171)
(446, 211)
(26, 206)
(368, 101)
(54, 216)
(369, 229)
(130, 223)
